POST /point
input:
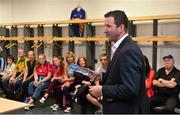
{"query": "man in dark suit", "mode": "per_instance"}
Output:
(123, 90)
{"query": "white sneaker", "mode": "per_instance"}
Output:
(76, 100)
(54, 106)
(31, 105)
(27, 108)
(42, 100)
(67, 110)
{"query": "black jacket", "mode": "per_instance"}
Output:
(124, 83)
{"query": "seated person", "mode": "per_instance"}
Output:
(17, 78)
(63, 98)
(69, 85)
(42, 76)
(150, 73)
(82, 84)
(8, 74)
(28, 75)
(58, 76)
(103, 58)
(166, 84)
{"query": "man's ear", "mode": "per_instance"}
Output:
(121, 27)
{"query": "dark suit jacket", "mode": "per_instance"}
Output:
(124, 83)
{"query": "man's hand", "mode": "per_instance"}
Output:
(96, 91)
(173, 79)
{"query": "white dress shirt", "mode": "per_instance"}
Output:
(116, 45)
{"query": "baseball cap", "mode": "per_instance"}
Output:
(168, 56)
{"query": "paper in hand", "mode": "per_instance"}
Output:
(85, 71)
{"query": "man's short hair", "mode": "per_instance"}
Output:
(104, 55)
(119, 18)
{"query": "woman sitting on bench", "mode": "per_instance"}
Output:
(42, 76)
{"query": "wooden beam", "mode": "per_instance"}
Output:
(155, 17)
(158, 39)
(137, 18)
(55, 22)
(58, 38)
(138, 39)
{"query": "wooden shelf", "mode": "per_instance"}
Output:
(137, 18)
(138, 39)
(57, 38)
(155, 17)
(158, 39)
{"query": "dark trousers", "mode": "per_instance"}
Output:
(25, 87)
(168, 102)
(66, 93)
(81, 97)
(1, 83)
(52, 86)
(59, 96)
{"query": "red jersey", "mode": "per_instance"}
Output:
(43, 69)
(59, 71)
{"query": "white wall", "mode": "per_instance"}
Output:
(51, 10)
(40, 10)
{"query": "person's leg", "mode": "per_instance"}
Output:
(94, 101)
(17, 83)
(59, 97)
(170, 104)
(67, 96)
(25, 87)
(6, 84)
(39, 89)
(81, 97)
(1, 84)
(156, 101)
(51, 87)
(31, 88)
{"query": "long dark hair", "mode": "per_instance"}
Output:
(86, 63)
(147, 66)
(61, 63)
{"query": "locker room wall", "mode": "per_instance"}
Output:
(47, 10)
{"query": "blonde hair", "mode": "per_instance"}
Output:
(69, 55)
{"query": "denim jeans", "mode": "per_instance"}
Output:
(36, 91)
(6, 84)
(17, 83)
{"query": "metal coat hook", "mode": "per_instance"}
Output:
(13, 44)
